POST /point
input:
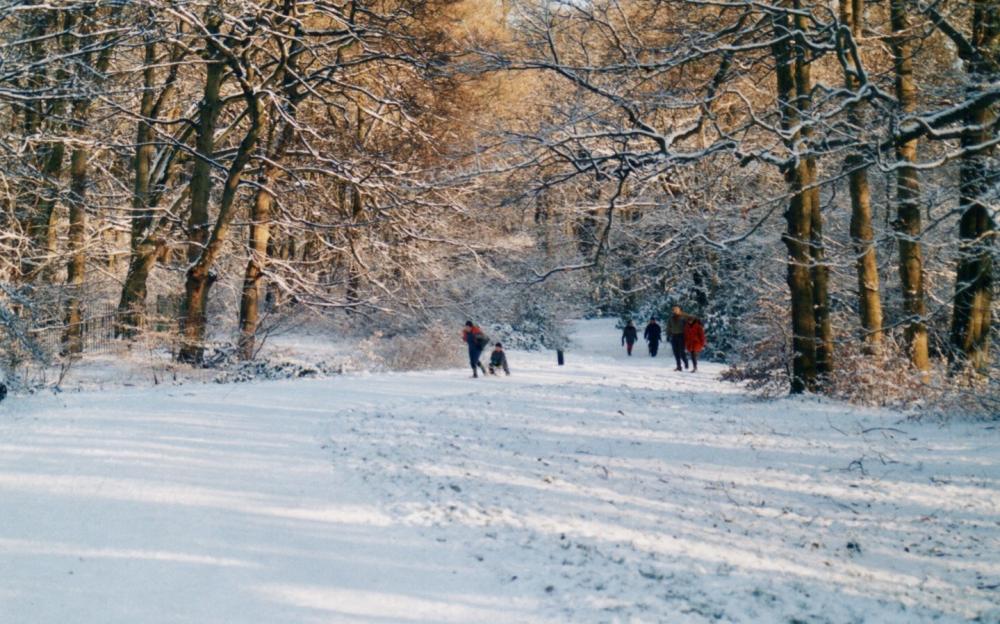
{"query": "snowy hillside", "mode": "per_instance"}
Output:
(608, 490)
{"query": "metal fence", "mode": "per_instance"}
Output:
(98, 332)
(33, 329)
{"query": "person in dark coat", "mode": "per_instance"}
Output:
(629, 336)
(476, 340)
(676, 330)
(498, 360)
(653, 335)
(694, 340)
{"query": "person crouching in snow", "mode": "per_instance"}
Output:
(476, 340)
(694, 340)
(629, 337)
(498, 360)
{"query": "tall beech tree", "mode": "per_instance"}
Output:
(798, 172)
(91, 67)
(852, 15)
(978, 181)
(908, 220)
(206, 239)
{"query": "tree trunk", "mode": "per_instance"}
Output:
(630, 303)
(199, 277)
(42, 236)
(76, 268)
(73, 335)
(908, 222)
(250, 298)
(146, 252)
(799, 221)
(866, 263)
(145, 242)
(42, 241)
(862, 233)
(201, 174)
(260, 234)
(260, 226)
(36, 27)
(352, 292)
(821, 280)
(820, 272)
(132, 304)
(196, 287)
(973, 303)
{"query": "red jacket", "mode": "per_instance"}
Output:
(470, 330)
(694, 336)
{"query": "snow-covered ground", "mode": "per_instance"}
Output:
(608, 490)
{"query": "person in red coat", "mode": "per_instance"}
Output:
(694, 340)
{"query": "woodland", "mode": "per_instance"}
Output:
(818, 181)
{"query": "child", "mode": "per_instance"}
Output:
(498, 359)
(653, 335)
(629, 337)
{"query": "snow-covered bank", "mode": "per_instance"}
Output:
(608, 490)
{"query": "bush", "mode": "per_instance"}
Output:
(886, 379)
(762, 360)
(435, 346)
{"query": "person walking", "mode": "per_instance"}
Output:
(476, 340)
(629, 337)
(653, 335)
(675, 327)
(498, 360)
(694, 340)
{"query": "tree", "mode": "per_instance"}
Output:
(908, 221)
(205, 239)
(862, 233)
(978, 179)
(792, 82)
(92, 66)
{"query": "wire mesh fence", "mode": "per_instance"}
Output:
(36, 337)
(96, 330)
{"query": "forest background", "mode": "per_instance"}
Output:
(818, 181)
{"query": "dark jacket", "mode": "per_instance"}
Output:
(652, 333)
(676, 324)
(630, 335)
(498, 359)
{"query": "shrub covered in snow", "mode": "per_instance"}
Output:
(232, 369)
(435, 346)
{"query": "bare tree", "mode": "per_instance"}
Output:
(862, 233)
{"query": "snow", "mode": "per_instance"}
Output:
(608, 490)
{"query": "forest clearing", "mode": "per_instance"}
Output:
(607, 490)
(265, 266)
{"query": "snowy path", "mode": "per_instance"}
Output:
(609, 490)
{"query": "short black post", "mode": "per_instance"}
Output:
(559, 357)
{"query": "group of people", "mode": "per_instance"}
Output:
(685, 332)
(477, 341)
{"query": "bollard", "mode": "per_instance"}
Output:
(559, 357)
